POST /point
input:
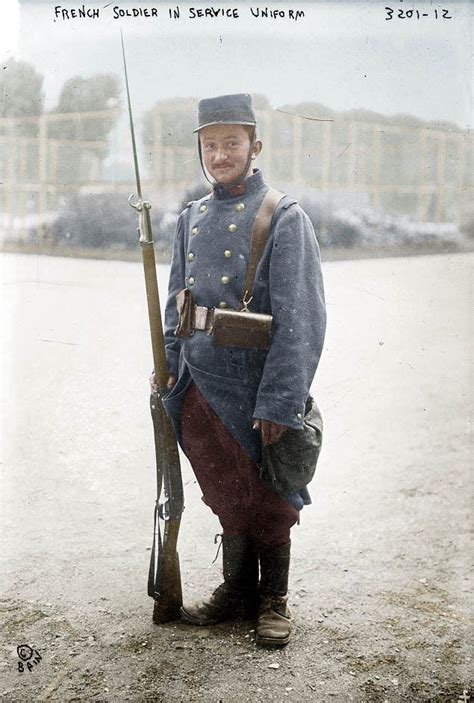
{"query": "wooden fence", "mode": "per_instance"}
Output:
(424, 173)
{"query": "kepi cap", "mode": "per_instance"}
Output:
(226, 109)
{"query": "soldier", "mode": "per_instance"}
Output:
(226, 401)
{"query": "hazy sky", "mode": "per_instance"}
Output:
(343, 54)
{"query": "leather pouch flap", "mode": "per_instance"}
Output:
(242, 329)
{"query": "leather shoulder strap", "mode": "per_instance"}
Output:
(260, 231)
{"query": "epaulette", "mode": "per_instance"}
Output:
(287, 202)
(193, 202)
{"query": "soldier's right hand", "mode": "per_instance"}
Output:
(154, 387)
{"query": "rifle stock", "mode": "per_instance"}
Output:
(164, 577)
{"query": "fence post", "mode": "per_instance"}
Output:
(157, 149)
(268, 120)
(440, 174)
(351, 157)
(11, 184)
(421, 184)
(171, 165)
(42, 174)
(326, 156)
(22, 192)
(297, 139)
(461, 173)
(377, 149)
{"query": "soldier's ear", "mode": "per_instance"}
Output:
(256, 148)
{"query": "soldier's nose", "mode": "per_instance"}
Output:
(220, 156)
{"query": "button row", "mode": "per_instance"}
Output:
(192, 255)
(238, 208)
(231, 228)
(191, 280)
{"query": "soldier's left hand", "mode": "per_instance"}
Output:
(271, 431)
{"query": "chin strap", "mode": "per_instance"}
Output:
(242, 176)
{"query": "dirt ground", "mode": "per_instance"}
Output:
(380, 581)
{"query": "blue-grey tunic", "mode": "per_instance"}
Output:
(210, 257)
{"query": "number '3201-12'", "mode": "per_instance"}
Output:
(403, 14)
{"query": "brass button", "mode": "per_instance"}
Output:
(195, 230)
(203, 208)
(299, 416)
(227, 253)
(191, 281)
(232, 228)
(225, 279)
(222, 304)
(190, 256)
(239, 207)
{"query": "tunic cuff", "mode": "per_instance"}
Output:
(279, 410)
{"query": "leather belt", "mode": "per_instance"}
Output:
(203, 318)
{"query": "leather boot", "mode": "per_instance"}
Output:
(274, 625)
(239, 592)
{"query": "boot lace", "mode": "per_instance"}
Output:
(216, 539)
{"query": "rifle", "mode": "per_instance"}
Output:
(164, 578)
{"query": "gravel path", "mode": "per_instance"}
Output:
(380, 573)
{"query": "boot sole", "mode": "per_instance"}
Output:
(242, 612)
(272, 643)
(191, 620)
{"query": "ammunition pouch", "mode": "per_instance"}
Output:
(241, 329)
(187, 316)
(229, 328)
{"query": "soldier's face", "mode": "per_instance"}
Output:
(225, 150)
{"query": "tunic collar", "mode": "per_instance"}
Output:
(251, 185)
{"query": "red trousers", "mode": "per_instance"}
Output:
(229, 479)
